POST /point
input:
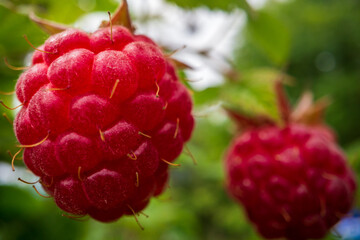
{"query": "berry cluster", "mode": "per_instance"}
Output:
(293, 182)
(103, 115)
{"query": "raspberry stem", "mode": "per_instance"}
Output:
(73, 217)
(7, 93)
(79, 174)
(11, 155)
(137, 179)
(190, 154)
(39, 192)
(165, 106)
(102, 135)
(177, 127)
(21, 180)
(13, 67)
(111, 32)
(170, 163)
(7, 118)
(31, 45)
(2, 103)
(35, 144)
(51, 183)
(158, 89)
(142, 213)
(136, 219)
(132, 156)
(13, 159)
(57, 89)
(121, 17)
(114, 88)
(175, 51)
(285, 215)
(143, 134)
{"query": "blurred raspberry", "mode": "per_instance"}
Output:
(293, 182)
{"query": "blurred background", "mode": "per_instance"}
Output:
(237, 49)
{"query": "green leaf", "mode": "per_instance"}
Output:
(226, 5)
(254, 94)
(25, 215)
(207, 96)
(271, 36)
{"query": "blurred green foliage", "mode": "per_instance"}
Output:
(315, 42)
(323, 55)
(227, 5)
(270, 35)
(24, 216)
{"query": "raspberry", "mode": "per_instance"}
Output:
(100, 113)
(292, 181)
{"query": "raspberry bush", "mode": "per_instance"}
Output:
(293, 180)
(103, 115)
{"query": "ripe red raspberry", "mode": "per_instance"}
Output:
(293, 181)
(101, 115)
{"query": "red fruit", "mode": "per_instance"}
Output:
(30, 82)
(94, 123)
(72, 70)
(145, 110)
(101, 39)
(61, 43)
(38, 56)
(113, 69)
(148, 60)
(293, 182)
(25, 132)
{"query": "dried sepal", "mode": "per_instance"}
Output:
(247, 122)
(121, 17)
(282, 101)
(308, 112)
(48, 26)
(179, 64)
(305, 102)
